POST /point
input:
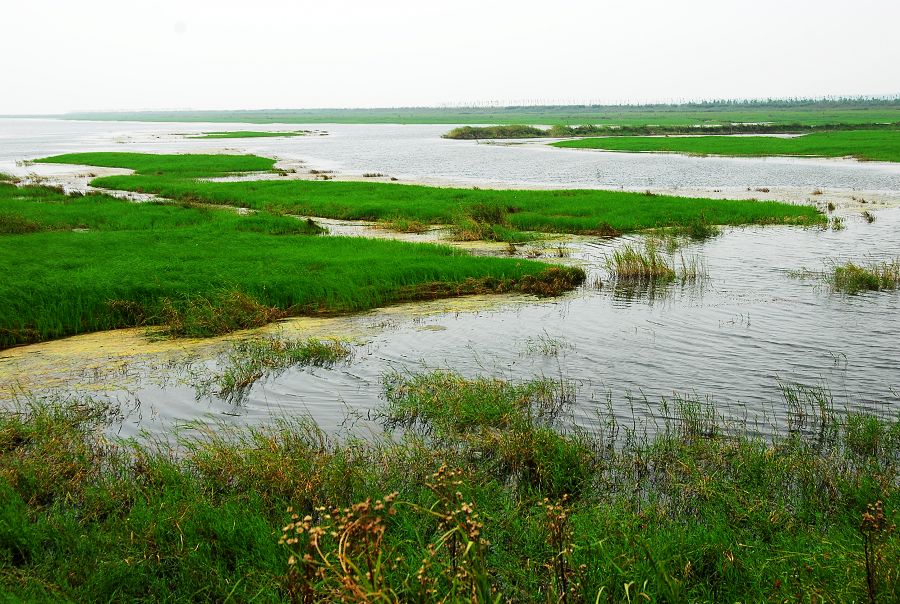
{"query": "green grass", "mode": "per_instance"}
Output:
(248, 134)
(476, 211)
(853, 278)
(487, 498)
(247, 361)
(76, 264)
(802, 111)
(862, 144)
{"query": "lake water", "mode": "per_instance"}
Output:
(733, 336)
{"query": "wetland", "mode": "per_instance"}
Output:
(385, 365)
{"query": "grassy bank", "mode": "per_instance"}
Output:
(89, 263)
(864, 145)
(249, 134)
(492, 214)
(485, 498)
(562, 131)
(803, 111)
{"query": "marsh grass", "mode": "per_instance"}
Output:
(631, 262)
(91, 262)
(853, 278)
(247, 361)
(546, 345)
(486, 495)
(872, 145)
(483, 213)
(404, 226)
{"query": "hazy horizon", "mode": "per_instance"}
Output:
(97, 56)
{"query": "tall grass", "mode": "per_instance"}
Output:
(486, 496)
(633, 263)
(853, 278)
(574, 211)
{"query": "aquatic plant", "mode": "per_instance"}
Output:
(853, 278)
(247, 361)
(633, 263)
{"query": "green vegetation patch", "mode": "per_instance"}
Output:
(862, 144)
(93, 262)
(476, 213)
(249, 134)
(489, 500)
(854, 278)
(158, 164)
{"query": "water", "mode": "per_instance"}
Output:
(734, 336)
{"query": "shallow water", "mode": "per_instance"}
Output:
(732, 336)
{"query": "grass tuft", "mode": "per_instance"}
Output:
(853, 278)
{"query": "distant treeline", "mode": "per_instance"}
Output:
(783, 111)
(563, 131)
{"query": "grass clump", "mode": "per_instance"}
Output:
(486, 496)
(491, 213)
(248, 361)
(853, 278)
(510, 131)
(220, 313)
(860, 144)
(633, 263)
(94, 262)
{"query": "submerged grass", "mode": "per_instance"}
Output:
(862, 144)
(477, 211)
(89, 263)
(486, 497)
(247, 361)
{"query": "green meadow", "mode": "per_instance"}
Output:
(862, 144)
(496, 214)
(78, 264)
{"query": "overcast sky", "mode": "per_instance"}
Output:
(64, 55)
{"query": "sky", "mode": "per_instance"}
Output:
(64, 55)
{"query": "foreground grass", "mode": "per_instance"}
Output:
(862, 144)
(89, 263)
(485, 498)
(476, 213)
(250, 134)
